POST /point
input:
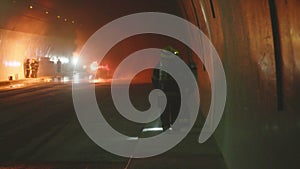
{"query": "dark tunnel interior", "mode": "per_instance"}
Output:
(258, 42)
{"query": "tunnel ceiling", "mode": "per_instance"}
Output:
(57, 17)
(59, 28)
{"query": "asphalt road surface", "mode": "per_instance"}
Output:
(39, 129)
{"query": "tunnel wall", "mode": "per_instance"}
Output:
(289, 30)
(31, 34)
(254, 132)
(16, 47)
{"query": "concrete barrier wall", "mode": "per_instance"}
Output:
(289, 30)
(254, 131)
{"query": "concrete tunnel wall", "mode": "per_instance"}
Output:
(16, 47)
(259, 124)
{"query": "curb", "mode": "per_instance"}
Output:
(13, 82)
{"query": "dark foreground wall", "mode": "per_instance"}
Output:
(259, 44)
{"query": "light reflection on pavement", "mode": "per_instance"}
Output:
(11, 85)
(19, 84)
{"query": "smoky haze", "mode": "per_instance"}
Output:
(133, 44)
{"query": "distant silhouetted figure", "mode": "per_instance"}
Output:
(58, 66)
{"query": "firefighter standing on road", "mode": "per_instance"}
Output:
(164, 81)
(27, 68)
(34, 68)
